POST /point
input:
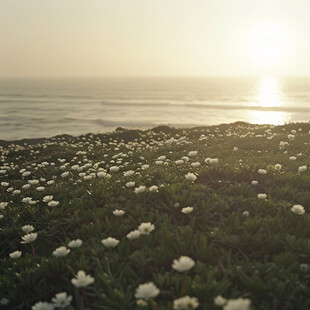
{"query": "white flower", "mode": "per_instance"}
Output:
(262, 171)
(61, 300)
(144, 167)
(141, 303)
(61, 251)
(114, 169)
(195, 165)
(101, 174)
(159, 162)
(26, 174)
(291, 137)
(3, 205)
(245, 213)
(118, 212)
(146, 228)
(298, 209)
(235, 149)
(75, 243)
(302, 168)
(4, 301)
(213, 161)
(110, 242)
(185, 303)
(220, 301)
(130, 184)
(146, 291)
(27, 228)
(140, 189)
(26, 186)
(238, 304)
(135, 234)
(254, 182)
(187, 210)
(5, 184)
(53, 203)
(129, 173)
(43, 306)
(304, 267)
(161, 158)
(261, 196)
(153, 188)
(184, 263)
(15, 254)
(82, 279)
(29, 238)
(65, 174)
(48, 198)
(40, 188)
(192, 153)
(179, 162)
(190, 177)
(292, 158)
(278, 167)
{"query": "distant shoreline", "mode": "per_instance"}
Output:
(67, 137)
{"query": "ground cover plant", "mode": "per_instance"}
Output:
(202, 218)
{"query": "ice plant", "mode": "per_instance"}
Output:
(238, 304)
(298, 209)
(192, 153)
(28, 238)
(61, 300)
(187, 210)
(27, 228)
(43, 306)
(110, 242)
(118, 212)
(146, 291)
(146, 228)
(75, 243)
(53, 203)
(302, 168)
(183, 264)
(82, 280)
(220, 301)
(191, 177)
(185, 303)
(48, 198)
(61, 251)
(262, 196)
(16, 254)
(135, 234)
(140, 189)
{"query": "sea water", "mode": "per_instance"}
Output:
(33, 108)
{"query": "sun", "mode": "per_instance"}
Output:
(268, 45)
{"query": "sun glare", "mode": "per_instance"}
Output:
(268, 45)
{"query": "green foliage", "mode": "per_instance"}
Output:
(257, 256)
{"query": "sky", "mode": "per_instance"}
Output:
(81, 38)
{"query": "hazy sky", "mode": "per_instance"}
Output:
(153, 37)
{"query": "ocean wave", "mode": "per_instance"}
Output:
(211, 106)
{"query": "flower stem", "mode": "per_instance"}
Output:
(85, 296)
(153, 305)
(33, 251)
(183, 285)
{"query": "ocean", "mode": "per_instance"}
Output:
(34, 108)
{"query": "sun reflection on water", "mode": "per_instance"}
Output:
(269, 95)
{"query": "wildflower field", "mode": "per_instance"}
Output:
(202, 218)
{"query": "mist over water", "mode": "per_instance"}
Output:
(32, 108)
